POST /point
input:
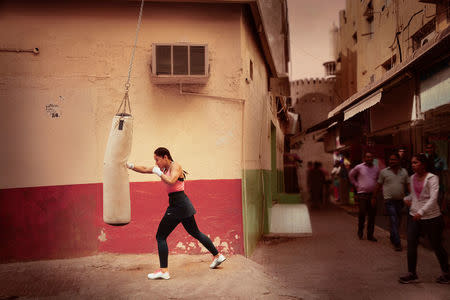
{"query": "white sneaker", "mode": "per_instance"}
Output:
(217, 261)
(159, 275)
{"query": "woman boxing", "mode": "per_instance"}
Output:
(180, 210)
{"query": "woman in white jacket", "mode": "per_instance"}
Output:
(424, 216)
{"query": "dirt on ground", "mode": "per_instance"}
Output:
(113, 276)
(331, 264)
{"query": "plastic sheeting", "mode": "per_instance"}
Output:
(116, 185)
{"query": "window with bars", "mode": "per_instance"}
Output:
(180, 60)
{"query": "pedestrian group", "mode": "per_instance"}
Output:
(414, 184)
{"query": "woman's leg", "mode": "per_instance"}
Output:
(434, 229)
(413, 241)
(166, 226)
(191, 227)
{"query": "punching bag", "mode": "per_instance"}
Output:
(116, 185)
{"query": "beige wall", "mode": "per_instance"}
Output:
(82, 68)
(375, 51)
(313, 99)
(346, 79)
(259, 113)
(255, 92)
(371, 51)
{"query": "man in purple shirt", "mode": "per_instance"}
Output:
(364, 177)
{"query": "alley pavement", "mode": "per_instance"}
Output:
(334, 264)
(331, 264)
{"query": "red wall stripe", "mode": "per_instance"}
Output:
(66, 221)
(48, 222)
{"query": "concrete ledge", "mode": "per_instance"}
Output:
(285, 198)
(271, 236)
(290, 220)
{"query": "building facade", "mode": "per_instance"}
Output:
(393, 45)
(376, 35)
(64, 71)
(312, 98)
(392, 77)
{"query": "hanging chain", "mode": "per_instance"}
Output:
(126, 99)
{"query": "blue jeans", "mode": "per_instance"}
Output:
(394, 210)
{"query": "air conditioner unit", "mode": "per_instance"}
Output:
(179, 63)
(427, 38)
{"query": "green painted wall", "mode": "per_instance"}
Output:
(259, 186)
(280, 181)
(256, 202)
(268, 200)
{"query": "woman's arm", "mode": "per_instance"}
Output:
(433, 187)
(175, 173)
(140, 169)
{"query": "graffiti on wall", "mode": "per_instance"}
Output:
(54, 109)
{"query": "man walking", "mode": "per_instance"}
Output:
(364, 177)
(394, 180)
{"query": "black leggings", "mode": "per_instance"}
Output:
(433, 228)
(168, 224)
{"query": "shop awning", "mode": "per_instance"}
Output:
(366, 103)
(326, 123)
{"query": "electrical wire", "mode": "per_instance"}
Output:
(445, 11)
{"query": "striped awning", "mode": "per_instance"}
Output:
(366, 103)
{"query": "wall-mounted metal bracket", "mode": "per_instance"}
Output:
(34, 50)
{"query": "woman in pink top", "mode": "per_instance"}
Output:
(180, 210)
(424, 217)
